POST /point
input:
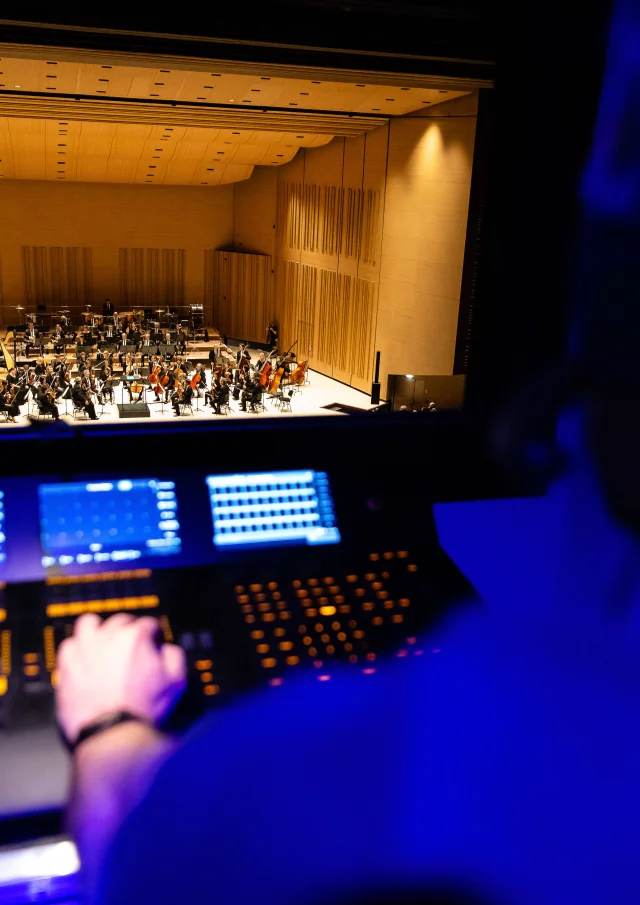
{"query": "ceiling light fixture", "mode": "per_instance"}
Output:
(231, 100)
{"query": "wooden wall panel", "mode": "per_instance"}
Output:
(152, 276)
(425, 221)
(242, 296)
(55, 276)
(106, 219)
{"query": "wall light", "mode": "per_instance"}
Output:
(409, 376)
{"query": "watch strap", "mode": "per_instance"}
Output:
(101, 724)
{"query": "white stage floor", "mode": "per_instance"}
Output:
(320, 392)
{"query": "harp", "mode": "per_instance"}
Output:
(8, 358)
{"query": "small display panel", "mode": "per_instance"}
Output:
(3, 538)
(107, 521)
(281, 507)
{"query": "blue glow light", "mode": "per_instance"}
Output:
(287, 507)
(78, 526)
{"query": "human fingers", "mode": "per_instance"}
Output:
(119, 620)
(174, 662)
(87, 625)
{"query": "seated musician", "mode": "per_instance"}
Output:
(107, 384)
(57, 364)
(12, 377)
(44, 400)
(249, 393)
(8, 402)
(107, 307)
(40, 368)
(145, 347)
(83, 361)
(58, 339)
(182, 396)
(111, 334)
(258, 367)
(201, 385)
(220, 396)
(82, 400)
(32, 336)
(243, 358)
(64, 383)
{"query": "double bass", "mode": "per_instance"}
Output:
(264, 375)
(297, 376)
(275, 383)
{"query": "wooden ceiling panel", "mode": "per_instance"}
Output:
(70, 115)
(234, 173)
(92, 168)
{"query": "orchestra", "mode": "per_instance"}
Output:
(127, 356)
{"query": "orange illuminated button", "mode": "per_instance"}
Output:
(327, 610)
(211, 689)
(203, 664)
(206, 677)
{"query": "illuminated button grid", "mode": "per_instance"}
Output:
(321, 618)
(3, 555)
(108, 521)
(279, 507)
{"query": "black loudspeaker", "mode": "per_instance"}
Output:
(134, 410)
(375, 386)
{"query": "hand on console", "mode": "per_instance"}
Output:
(116, 665)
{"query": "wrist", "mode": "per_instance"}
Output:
(98, 726)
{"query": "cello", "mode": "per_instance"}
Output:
(275, 383)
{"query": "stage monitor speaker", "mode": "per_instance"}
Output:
(375, 386)
(134, 410)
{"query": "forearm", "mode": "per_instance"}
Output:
(111, 773)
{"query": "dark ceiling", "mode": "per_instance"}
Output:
(453, 30)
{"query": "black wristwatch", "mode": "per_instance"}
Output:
(101, 724)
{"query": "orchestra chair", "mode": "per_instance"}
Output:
(4, 416)
(183, 406)
(38, 413)
(80, 412)
(284, 403)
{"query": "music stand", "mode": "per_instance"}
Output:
(167, 351)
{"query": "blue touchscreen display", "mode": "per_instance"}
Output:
(107, 521)
(280, 507)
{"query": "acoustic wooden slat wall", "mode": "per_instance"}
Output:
(329, 219)
(55, 275)
(241, 293)
(336, 309)
(152, 276)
